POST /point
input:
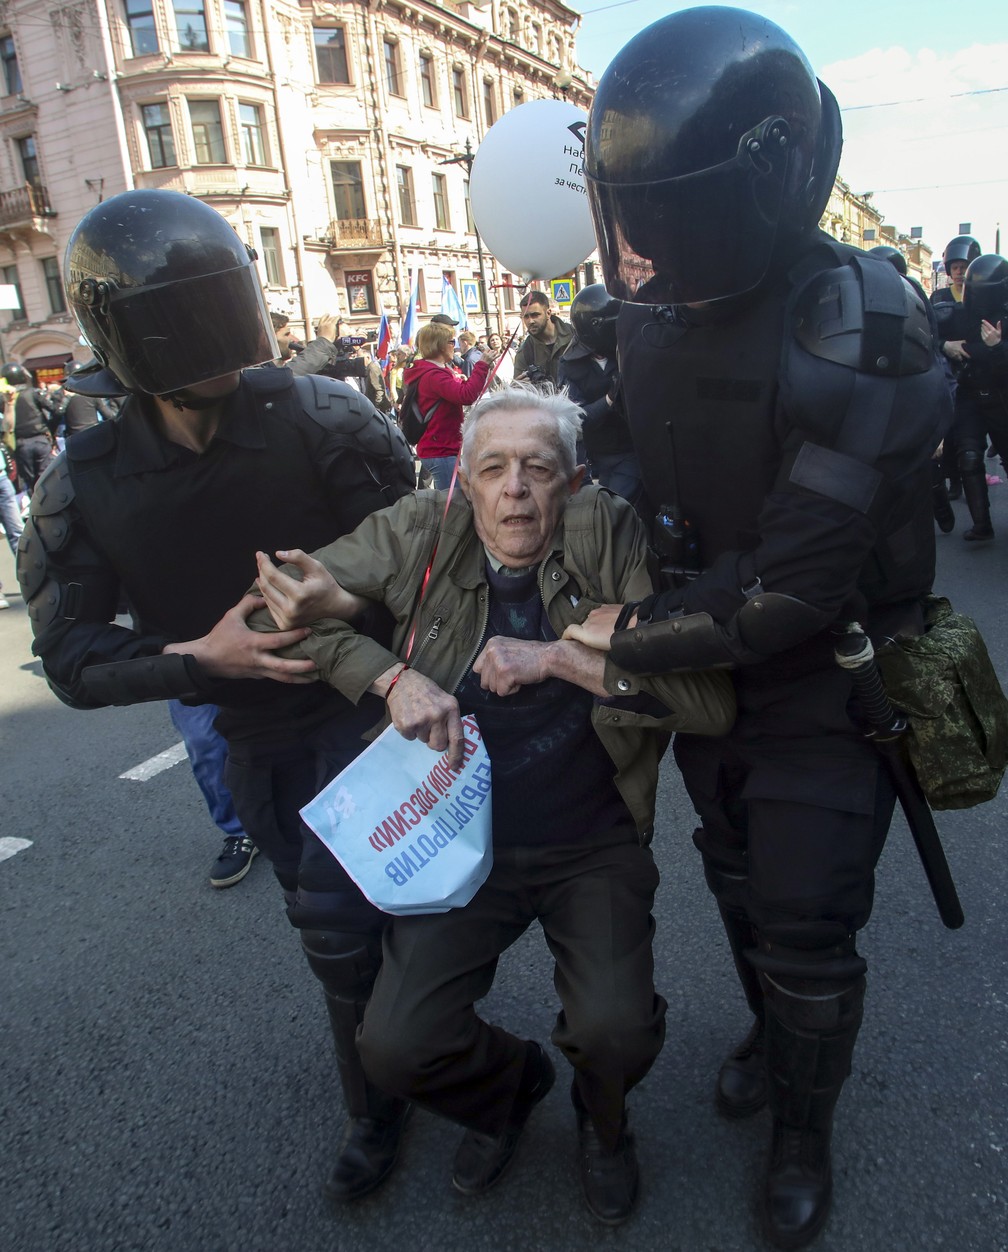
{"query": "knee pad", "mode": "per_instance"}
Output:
(346, 964)
(813, 988)
(970, 461)
(726, 870)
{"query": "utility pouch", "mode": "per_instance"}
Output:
(945, 682)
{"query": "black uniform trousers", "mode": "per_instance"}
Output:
(270, 784)
(795, 803)
(421, 1036)
(32, 456)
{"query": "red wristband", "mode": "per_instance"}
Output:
(388, 691)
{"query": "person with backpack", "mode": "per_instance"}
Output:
(440, 395)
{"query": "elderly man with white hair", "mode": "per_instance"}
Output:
(574, 744)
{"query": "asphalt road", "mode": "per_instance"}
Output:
(167, 1082)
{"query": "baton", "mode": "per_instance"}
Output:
(885, 728)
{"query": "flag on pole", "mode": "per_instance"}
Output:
(409, 322)
(452, 305)
(384, 339)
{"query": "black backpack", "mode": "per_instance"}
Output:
(411, 421)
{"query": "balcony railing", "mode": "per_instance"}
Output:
(354, 232)
(24, 203)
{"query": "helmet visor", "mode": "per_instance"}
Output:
(166, 338)
(704, 236)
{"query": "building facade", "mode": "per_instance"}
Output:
(335, 135)
(332, 135)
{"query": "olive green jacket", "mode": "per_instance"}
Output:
(599, 556)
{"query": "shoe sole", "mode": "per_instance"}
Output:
(230, 882)
(738, 1112)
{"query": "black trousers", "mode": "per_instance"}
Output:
(422, 1037)
(796, 802)
(32, 457)
(269, 787)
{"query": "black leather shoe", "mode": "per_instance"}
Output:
(980, 530)
(799, 1185)
(481, 1159)
(368, 1156)
(944, 515)
(608, 1179)
(741, 1082)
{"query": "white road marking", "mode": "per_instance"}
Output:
(157, 764)
(11, 847)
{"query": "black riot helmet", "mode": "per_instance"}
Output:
(884, 252)
(710, 143)
(985, 291)
(961, 248)
(593, 315)
(165, 293)
(15, 375)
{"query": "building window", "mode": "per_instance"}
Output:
(440, 201)
(29, 161)
(459, 92)
(9, 274)
(348, 190)
(427, 80)
(11, 70)
(508, 287)
(393, 69)
(330, 55)
(143, 33)
(489, 109)
(404, 186)
(270, 239)
(208, 134)
(253, 140)
(54, 284)
(237, 26)
(160, 140)
(190, 25)
(421, 292)
(360, 291)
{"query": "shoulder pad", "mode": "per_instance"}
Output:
(268, 379)
(93, 441)
(55, 489)
(866, 316)
(31, 560)
(342, 409)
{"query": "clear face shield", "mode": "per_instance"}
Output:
(705, 236)
(164, 338)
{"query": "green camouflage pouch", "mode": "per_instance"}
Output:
(945, 682)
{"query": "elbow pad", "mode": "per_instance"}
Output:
(164, 677)
(769, 622)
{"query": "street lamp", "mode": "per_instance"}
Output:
(466, 158)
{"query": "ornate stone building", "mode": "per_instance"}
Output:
(330, 134)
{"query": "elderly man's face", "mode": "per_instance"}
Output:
(517, 486)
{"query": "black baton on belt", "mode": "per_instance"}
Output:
(885, 728)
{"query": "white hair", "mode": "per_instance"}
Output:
(521, 397)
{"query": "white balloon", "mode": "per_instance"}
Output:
(527, 190)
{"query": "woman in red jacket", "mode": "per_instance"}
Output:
(441, 385)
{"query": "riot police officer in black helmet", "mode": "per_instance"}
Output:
(947, 304)
(885, 252)
(207, 463)
(792, 475)
(981, 400)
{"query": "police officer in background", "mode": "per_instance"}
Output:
(785, 399)
(981, 398)
(947, 304)
(34, 425)
(168, 505)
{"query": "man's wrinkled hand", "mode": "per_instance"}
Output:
(297, 602)
(597, 629)
(506, 665)
(233, 650)
(421, 710)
